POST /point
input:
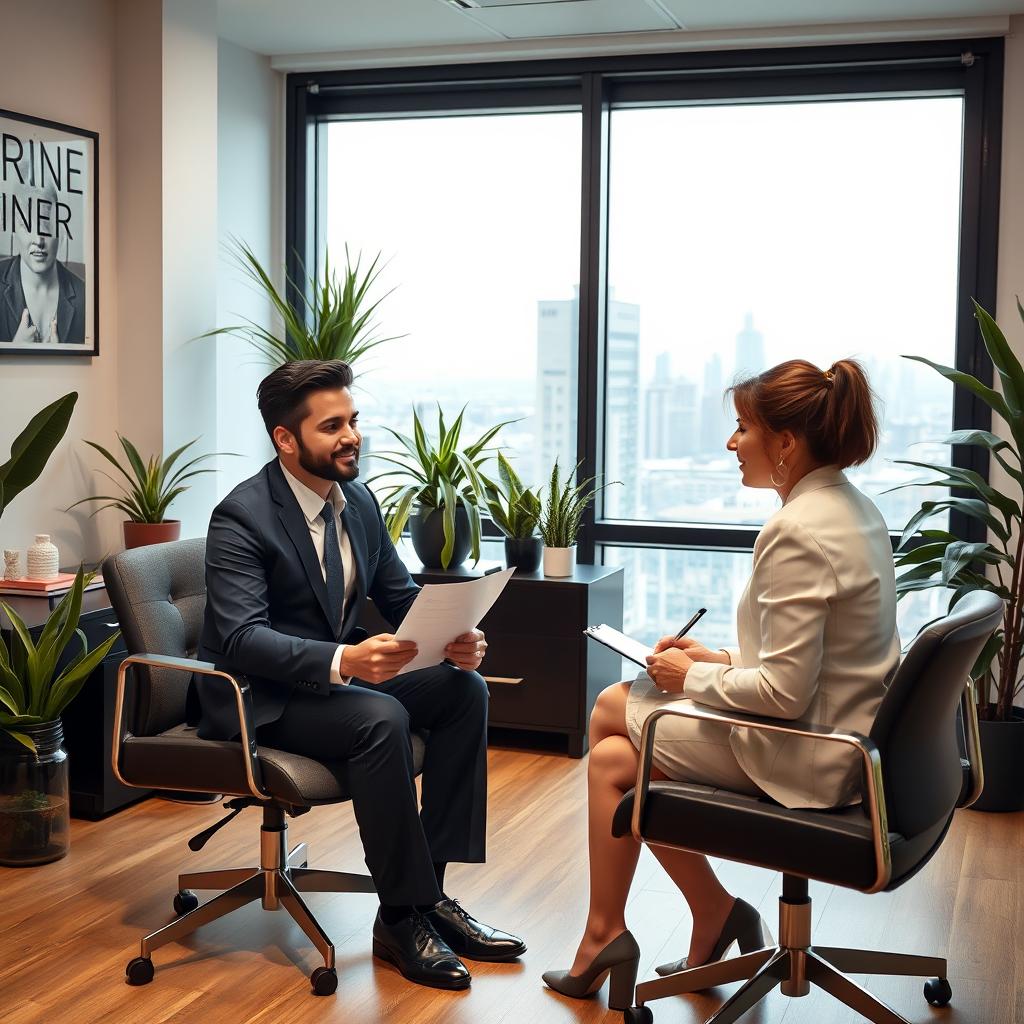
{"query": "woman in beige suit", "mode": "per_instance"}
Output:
(817, 643)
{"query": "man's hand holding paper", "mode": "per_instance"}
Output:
(443, 621)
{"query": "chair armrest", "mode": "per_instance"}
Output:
(243, 701)
(875, 791)
(972, 736)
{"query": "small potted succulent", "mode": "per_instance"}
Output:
(561, 517)
(148, 490)
(516, 510)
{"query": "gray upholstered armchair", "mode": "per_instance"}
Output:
(915, 777)
(159, 595)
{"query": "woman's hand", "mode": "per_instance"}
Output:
(694, 649)
(668, 669)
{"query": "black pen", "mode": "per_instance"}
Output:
(693, 622)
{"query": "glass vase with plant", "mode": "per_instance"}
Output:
(438, 489)
(940, 559)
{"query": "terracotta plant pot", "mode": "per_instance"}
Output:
(138, 535)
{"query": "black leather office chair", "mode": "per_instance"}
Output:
(915, 778)
(159, 595)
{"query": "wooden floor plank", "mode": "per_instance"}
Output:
(67, 929)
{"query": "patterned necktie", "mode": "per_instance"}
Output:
(332, 563)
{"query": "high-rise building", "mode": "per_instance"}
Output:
(749, 350)
(557, 347)
(716, 417)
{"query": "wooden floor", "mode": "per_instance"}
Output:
(67, 929)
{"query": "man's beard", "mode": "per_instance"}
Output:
(326, 468)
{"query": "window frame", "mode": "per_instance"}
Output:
(972, 68)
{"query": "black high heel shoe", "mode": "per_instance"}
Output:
(743, 925)
(620, 959)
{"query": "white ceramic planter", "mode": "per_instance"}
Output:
(559, 561)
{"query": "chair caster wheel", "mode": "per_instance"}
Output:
(184, 901)
(638, 1015)
(139, 971)
(938, 992)
(324, 981)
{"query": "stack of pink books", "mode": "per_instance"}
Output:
(60, 584)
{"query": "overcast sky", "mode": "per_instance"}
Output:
(835, 224)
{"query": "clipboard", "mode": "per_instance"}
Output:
(620, 643)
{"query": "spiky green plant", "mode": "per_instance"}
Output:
(335, 318)
(564, 507)
(437, 476)
(149, 486)
(942, 559)
(31, 689)
(514, 508)
(33, 447)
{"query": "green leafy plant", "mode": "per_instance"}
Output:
(943, 560)
(31, 689)
(514, 508)
(564, 507)
(335, 318)
(437, 476)
(150, 486)
(33, 447)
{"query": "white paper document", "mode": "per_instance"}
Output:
(625, 645)
(444, 611)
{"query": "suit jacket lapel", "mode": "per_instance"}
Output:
(298, 532)
(65, 304)
(352, 523)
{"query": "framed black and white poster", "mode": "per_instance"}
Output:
(49, 266)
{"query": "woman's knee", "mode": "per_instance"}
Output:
(614, 760)
(609, 715)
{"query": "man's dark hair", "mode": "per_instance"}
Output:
(282, 394)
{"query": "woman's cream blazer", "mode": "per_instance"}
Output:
(817, 640)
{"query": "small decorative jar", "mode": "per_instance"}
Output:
(12, 564)
(43, 560)
(34, 813)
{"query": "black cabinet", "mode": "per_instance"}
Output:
(542, 672)
(89, 718)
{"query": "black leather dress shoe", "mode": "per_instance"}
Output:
(421, 955)
(471, 939)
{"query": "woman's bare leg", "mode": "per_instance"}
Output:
(611, 772)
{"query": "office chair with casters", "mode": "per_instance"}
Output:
(915, 777)
(159, 595)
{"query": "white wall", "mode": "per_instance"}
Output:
(189, 160)
(250, 158)
(74, 40)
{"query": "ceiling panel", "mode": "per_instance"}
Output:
(304, 26)
(698, 15)
(573, 18)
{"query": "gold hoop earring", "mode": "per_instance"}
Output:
(782, 467)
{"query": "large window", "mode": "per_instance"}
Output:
(478, 221)
(743, 235)
(598, 247)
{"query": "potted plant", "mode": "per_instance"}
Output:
(515, 510)
(439, 490)
(34, 814)
(561, 517)
(335, 319)
(36, 685)
(944, 560)
(149, 489)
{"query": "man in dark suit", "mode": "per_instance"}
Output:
(292, 554)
